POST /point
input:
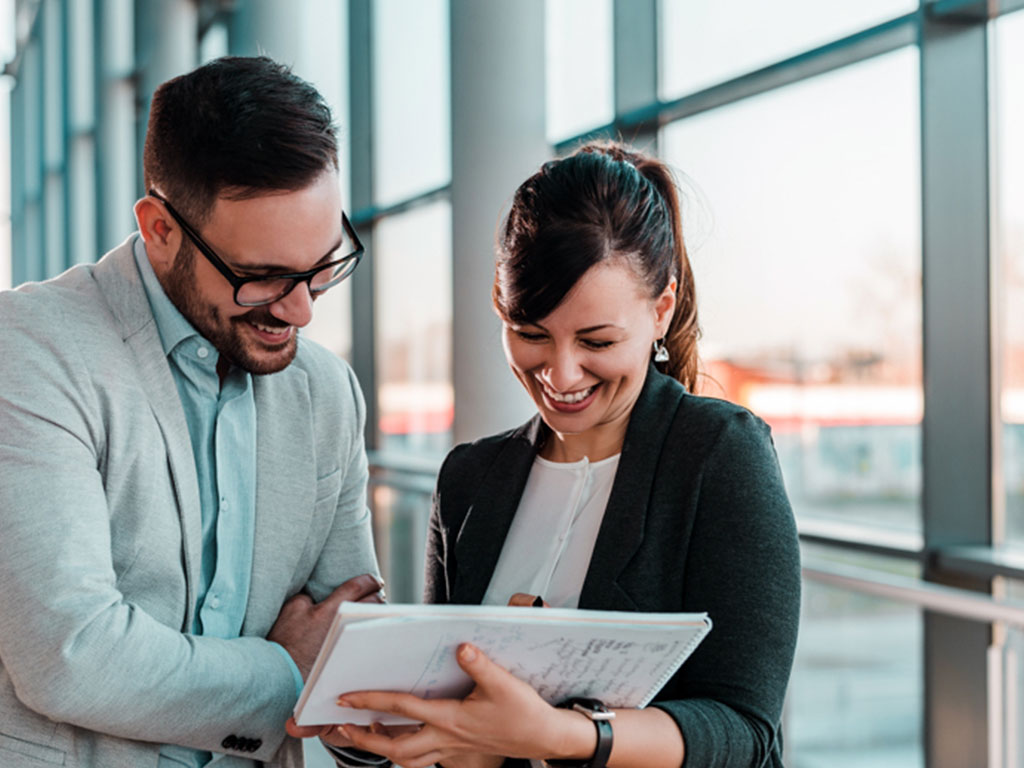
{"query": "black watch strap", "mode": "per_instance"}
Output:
(601, 717)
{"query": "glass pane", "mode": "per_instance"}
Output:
(331, 325)
(708, 41)
(400, 514)
(411, 102)
(855, 698)
(805, 242)
(412, 260)
(579, 66)
(214, 43)
(1008, 172)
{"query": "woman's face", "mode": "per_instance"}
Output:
(584, 363)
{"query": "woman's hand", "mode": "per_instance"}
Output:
(501, 716)
(309, 731)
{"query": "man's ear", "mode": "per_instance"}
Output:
(160, 232)
(664, 307)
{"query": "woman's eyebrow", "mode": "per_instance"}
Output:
(593, 328)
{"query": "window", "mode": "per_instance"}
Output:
(855, 696)
(411, 98)
(413, 279)
(578, 49)
(1008, 175)
(708, 41)
(805, 242)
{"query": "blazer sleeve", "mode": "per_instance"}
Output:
(74, 647)
(348, 550)
(743, 567)
(439, 565)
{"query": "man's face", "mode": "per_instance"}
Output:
(265, 235)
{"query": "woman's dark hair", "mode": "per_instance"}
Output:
(605, 201)
(240, 126)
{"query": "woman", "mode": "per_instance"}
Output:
(625, 492)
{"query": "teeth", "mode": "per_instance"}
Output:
(274, 329)
(571, 397)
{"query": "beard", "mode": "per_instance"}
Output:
(227, 335)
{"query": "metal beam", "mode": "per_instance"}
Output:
(957, 424)
(360, 130)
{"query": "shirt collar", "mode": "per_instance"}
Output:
(170, 323)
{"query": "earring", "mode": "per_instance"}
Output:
(660, 351)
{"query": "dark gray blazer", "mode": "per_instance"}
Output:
(697, 520)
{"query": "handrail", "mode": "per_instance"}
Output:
(416, 474)
(934, 597)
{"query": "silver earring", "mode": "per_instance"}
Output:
(660, 351)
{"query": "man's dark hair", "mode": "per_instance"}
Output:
(235, 127)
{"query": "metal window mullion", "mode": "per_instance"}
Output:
(361, 166)
(117, 153)
(31, 77)
(636, 52)
(19, 243)
(80, 136)
(957, 422)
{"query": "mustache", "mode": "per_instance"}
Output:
(261, 316)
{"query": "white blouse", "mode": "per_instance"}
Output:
(552, 536)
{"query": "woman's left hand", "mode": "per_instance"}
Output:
(501, 716)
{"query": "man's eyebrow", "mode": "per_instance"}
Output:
(284, 270)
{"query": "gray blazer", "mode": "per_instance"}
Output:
(697, 520)
(100, 533)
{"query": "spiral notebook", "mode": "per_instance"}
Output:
(622, 658)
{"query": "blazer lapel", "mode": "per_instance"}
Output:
(286, 485)
(622, 529)
(478, 543)
(118, 278)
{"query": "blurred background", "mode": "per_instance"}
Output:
(853, 184)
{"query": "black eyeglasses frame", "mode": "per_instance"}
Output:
(238, 281)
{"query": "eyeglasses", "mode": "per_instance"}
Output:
(260, 290)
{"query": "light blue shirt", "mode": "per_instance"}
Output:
(221, 418)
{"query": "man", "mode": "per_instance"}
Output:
(176, 463)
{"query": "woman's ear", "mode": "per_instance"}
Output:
(664, 307)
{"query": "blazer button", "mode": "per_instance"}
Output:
(231, 742)
(256, 744)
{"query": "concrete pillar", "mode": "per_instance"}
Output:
(498, 140)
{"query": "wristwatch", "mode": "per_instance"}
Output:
(601, 717)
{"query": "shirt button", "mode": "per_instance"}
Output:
(215, 602)
(223, 504)
(203, 353)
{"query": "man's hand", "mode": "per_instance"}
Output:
(301, 625)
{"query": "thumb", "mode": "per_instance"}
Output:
(353, 590)
(475, 664)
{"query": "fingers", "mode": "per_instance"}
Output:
(305, 731)
(411, 750)
(402, 704)
(300, 601)
(353, 590)
(524, 600)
